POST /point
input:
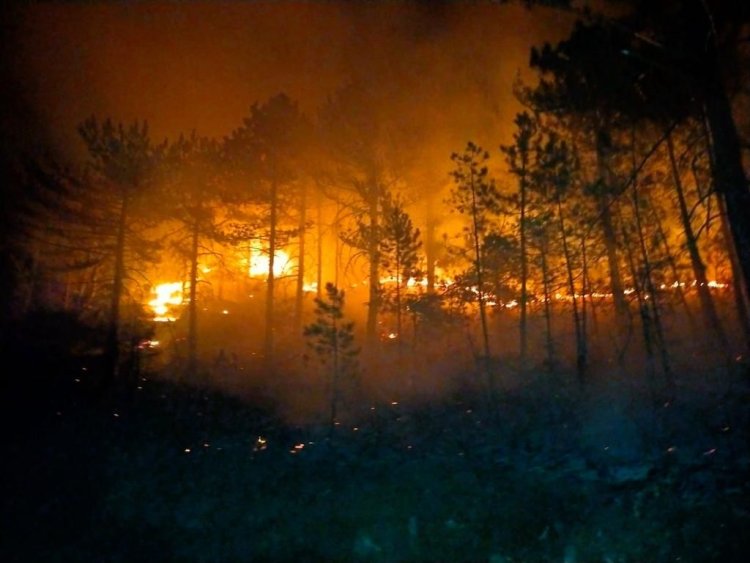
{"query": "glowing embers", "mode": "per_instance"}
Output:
(258, 267)
(167, 297)
(261, 444)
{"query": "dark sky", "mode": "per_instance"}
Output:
(200, 65)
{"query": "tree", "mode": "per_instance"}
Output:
(332, 339)
(694, 49)
(556, 175)
(708, 308)
(193, 190)
(671, 60)
(364, 166)
(586, 82)
(269, 146)
(122, 160)
(518, 156)
(399, 246)
(475, 196)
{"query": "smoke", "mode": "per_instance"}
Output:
(441, 71)
(200, 66)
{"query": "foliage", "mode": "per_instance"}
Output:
(399, 246)
(332, 339)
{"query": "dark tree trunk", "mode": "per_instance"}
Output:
(300, 296)
(549, 342)
(319, 272)
(524, 338)
(429, 245)
(373, 305)
(479, 266)
(740, 297)
(653, 298)
(581, 347)
(645, 315)
(708, 308)
(673, 267)
(604, 203)
(112, 346)
(729, 176)
(269, 335)
(192, 336)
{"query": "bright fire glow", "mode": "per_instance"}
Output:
(282, 263)
(167, 295)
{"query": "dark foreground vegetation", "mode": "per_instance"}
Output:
(152, 470)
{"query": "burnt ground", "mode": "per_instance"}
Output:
(160, 471)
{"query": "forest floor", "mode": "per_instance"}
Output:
(164, 472)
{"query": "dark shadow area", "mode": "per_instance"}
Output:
(159, 470)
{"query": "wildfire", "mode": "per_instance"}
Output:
(258, 267)
(410, 282)
(167, 295)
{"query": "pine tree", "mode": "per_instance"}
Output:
(122, 159)
(399, 247)
(332, 339)
(193, 191)
(475, 196)
(518, 158)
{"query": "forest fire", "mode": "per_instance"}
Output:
(167, 296)
(421, 280)
(259, 260)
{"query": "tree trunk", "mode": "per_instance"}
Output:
(740, 298)
(604, 203)
(584, 290)
(648, 284)
(269, 336)
(523, 333)
(300, 297)
(398, 300)
(646, 326)
(478, 265)
(112, 347)
(319, 272)
(373, 305)
(581, 348)
(729, 176)
(192, 336)
(673, 268)
(429, 245)
(335, 371)
(550, 347)
(708, 308)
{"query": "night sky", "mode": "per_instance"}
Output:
(185, 66)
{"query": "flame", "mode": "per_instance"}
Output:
(167, 295)
(258, 267)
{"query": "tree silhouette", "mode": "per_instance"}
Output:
(332, 339)
(269, 146)
(475, 196)
(518, 158)
(399, 246)
(193, 191)
(122, 159)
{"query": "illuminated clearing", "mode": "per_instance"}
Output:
(166, 296)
